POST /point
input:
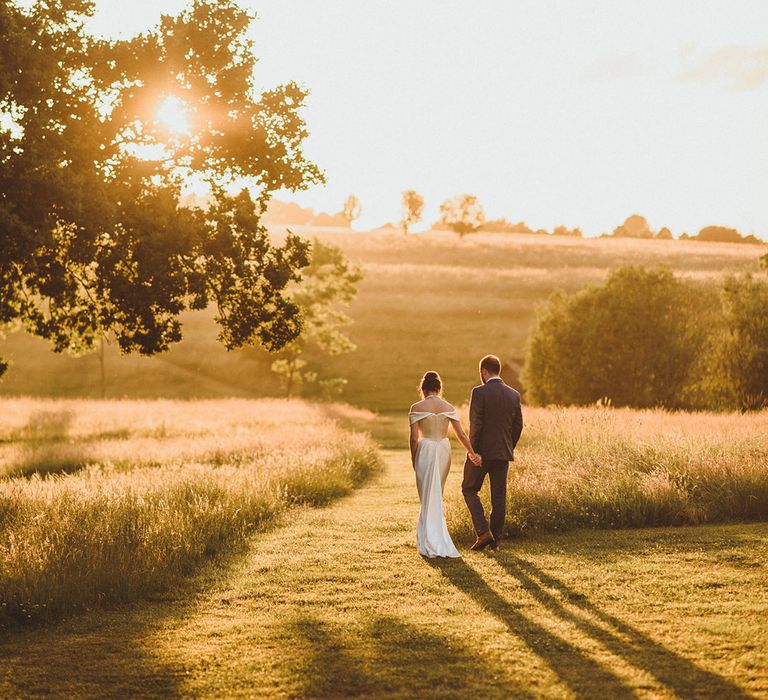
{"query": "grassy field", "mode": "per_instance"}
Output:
(180, 538)
(618, 468)
(101, 502)
(337, 603)
(428, 301)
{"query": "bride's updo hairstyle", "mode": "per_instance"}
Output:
(431, 383)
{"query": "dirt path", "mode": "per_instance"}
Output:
(336, 603)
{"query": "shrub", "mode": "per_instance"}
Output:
(633, 341)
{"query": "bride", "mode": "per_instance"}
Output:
(431, 459)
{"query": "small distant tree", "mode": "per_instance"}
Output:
(664, 233)
(721, 234)
(463, 214)
(328, 281)
(634, 226)
(502, 225)
(413, 208)
(565, 231)
(352, 209)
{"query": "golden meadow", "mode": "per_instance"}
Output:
(616, 468)
(111, 501)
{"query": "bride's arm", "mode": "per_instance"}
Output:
(414, 442)
(475, 458)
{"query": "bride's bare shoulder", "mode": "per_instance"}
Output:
(432, 404)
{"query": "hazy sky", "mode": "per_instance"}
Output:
(556, 111)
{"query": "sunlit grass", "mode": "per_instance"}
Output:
(605, 468)
(157, 488)
(338, 603)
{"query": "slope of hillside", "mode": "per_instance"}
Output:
(428, 301)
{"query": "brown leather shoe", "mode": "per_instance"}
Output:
(482, 541)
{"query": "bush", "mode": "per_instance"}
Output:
(739, 371)
(632, 342)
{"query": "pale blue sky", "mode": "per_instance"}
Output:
(578, 113)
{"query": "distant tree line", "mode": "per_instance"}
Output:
(647, 338)
(464, 214)
(637, 226)
(504, 226)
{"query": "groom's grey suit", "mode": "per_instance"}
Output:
(495, 424)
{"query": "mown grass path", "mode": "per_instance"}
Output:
(336, 602)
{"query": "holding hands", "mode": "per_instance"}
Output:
(475, 458)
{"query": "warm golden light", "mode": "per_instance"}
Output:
(173, 114)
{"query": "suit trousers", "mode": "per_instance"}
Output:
(473, 481)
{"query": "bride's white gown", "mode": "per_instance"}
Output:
(433, 461)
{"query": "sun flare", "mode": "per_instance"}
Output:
(173, 114)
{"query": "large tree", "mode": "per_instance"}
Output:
(98, 140)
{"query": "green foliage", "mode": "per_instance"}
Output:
(632, 342)
(740, 367)
(329, 279)
(463, 214)
(94, 238)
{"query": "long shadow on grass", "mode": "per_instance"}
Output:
(46, 448)
(582, 674)
(93, 656)
(672, 670)
(386, 657)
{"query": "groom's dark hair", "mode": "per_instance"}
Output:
(491, 364)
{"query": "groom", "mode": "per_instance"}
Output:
(495, 424)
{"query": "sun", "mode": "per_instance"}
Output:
(173, 114)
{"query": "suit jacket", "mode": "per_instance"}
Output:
(495, 420)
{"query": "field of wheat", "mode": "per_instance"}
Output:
(618, 468)
(111, 501)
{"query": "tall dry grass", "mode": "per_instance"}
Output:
(616, 468)
(155, 488)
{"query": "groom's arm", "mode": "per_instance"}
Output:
(475, 418)
(517, 425)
